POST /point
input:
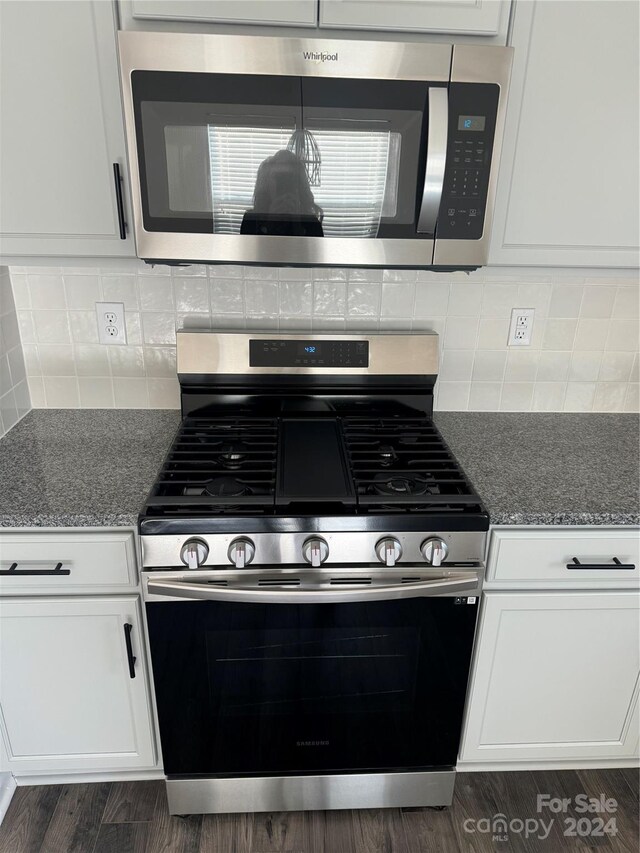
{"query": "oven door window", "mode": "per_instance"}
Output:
(257, 689)
(283, 156)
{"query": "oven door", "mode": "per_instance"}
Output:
(314, 673)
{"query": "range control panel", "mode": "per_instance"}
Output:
(472, 121)
(300, 353)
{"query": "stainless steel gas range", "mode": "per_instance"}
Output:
(313, 560)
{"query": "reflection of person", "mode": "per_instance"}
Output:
(283, 203)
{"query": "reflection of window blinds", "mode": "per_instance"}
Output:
(353, 175)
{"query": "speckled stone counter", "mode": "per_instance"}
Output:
(80, 468)
(549, 468)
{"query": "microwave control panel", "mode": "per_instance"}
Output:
(472, 122)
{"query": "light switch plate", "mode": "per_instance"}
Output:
(111, 328)
(521, 327)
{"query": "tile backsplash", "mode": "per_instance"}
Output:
(14, 392)
(583, 354)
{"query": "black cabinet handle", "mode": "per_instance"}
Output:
(130, 656)
(14, 571)
(576, 564)
(117, 177)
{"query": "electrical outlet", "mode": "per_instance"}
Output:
(521, 327)
(111, 328)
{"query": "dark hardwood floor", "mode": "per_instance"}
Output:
(132, 817)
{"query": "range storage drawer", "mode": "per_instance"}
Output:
(543, 554)
(46, 563)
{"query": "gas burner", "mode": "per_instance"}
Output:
(232, 456)
(399, 486)
(220, 487)
(387, 455)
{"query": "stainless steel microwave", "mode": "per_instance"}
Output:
(309, 152)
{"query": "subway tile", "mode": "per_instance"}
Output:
(164, 393)
(31, 360)
(158, 328)
(192, 320)
(485, 396)
(327, 324)
(453, 396)
(635, 370)
(7, 304)
(5, 374)
(492, 333)
(226, 271)
(52, 327)
(597, 301)
(632, 399)
(461, 333)
(516, 396)
(553, 366)
(295, 274)
(56, 360)
(591, 334)
(457, 365)
(432, 299)
(46, 291)
(584, 366)
(398, 299)
(121, 288)
(191, 294)
(16, 365)
(227, 295)
(366, 275)
(566, 300)
(189, 271)
(626, 302)
(395, 324)
(95, 392)
(84, 327)
(20, 288)
(465, 299)
(295, 297)
(559, 334)
(126, 361)
(261, 297)
(8, 410)
(26, 327)
(154, 270)
(299, 322)
(160, 362)
(61, 392)
(82, 291)
(498, 300)
(156, 293)
(535, 295)
(130, 393)
(616, 366)
(9, 332)
(220, 322)
(363, 298)
(609, 396)
(92, 359)
(133, 327)
(22, 398)
(36, 392)
(579, 396)
(522, 365)
(261, 273)
(548, 396)
(624, 335)
(329, 298)
(329, 274)
(361, 325)
(489, 366)
(399, 276)
(263, 322)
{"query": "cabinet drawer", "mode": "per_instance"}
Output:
(66, 562)
(534, 555)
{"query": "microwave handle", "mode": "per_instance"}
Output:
(436, 159)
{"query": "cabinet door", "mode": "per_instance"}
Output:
(281, 12)
(62, 130)
(431, 16)
(568, 182)
(555, 678)
(67, 696)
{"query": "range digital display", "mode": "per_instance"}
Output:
(471, 122)
(277, 353)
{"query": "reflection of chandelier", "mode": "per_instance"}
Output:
(304, 146)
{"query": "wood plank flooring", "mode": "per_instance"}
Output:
(132, 817)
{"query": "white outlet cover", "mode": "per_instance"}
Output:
(111, 332)
(521, 327)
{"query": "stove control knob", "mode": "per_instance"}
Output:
(315, 551)
(241, 552)
(389, 551)
(434, 551)
(194, 553)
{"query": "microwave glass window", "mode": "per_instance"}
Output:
(279, 156)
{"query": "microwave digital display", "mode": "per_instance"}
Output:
(471, 122)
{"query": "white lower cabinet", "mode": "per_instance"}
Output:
(71, 698)
(555, 678)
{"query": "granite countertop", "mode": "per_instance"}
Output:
(82, 468)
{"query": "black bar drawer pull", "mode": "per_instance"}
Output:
(15, 572)
(576, 564)
(130, 656)
(122, 224)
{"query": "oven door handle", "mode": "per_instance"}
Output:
(328, 595)
(437, 136)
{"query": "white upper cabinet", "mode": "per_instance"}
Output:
(277, 12)
(474, 17)
(61, 130)
(568, 182)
